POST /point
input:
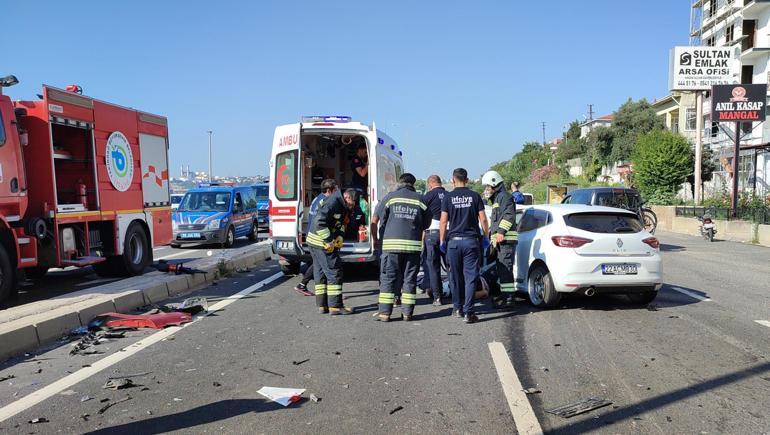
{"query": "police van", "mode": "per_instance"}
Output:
(306, 153)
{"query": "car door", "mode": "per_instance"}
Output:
(239, 215)
(526, 230)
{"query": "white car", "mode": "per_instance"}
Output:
(569, 248)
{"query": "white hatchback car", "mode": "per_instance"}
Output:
(569, 248)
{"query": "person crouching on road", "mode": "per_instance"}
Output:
(325, 240)
(463, 210)
(432, 253)
(403, 216)
(503, 235)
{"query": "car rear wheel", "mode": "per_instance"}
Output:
(290, 269)
(643, 298)
(254, 233)
(541, 290)
(229, 238)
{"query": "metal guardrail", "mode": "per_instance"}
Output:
(759, 215)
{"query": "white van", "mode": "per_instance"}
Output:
(306, 153)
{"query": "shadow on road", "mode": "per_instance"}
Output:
(665, 247)
(205, 414)
(629, 411)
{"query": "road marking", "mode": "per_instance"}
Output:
(523, 415)
(69, 381)
(691, 294)
(763, 322)
(179, 254)
(96, 281)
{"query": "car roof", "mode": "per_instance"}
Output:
(605, 189)
(213, 189)
(566, 209)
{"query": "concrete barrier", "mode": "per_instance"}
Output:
(27, 327)
(736, 231)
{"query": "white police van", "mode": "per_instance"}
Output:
(306, 153)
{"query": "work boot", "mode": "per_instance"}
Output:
(470, 318)
(323, 310)
(383, 317)
(437, 302)
(420, 291)
(341, 310)
(458, 313)
(397, 301)
(302, 289)
(510, 301)
(406, 317)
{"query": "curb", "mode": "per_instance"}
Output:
(32, 330)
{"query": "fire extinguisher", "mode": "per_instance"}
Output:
(82, 193)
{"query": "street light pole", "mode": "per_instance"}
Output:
(211, 177)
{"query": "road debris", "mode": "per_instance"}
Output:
(85, 417)
(118, 384)
(104, 408)
(652, 307)
(556, 344)
(315, 398)
(531, 391)
(272, 373)
(395, 410)
(6, 377)
(154, 321)
(86, 398)
(581, 407)
(217, 384)
(296, 363)
(38, 420)
(176, 268)
(283, 396)
(346, 386)
(176, 399)
(37, 372)
(133, 375)
(454, 333)
(545, 369)
(68, 393)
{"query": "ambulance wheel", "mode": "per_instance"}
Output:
(542, 293)
(254, 233)
(290, 269)
(7, 277)
(229, 238)
(136, 251)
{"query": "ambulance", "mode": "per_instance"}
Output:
(306, 153)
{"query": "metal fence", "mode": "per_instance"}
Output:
(758, 215)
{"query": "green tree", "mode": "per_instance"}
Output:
(632, 119)
(662, 162)
(420, 185)
(572, 146)
(707, 167)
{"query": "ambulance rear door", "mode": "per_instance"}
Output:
(286, 191)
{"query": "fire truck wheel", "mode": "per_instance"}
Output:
(7, 277)
(229, 238)
(254, 233)
(136, 251)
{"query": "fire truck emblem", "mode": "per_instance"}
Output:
(119, 161)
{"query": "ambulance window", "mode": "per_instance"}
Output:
(386, 176)
(2, 130)
(286, 176)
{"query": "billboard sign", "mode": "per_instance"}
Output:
(738, 103)
(700, 68)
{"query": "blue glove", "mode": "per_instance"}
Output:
(442, 247)
(485, 243)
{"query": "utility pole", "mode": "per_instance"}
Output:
(543, 133)
(590, 112)
(698, 147)
(210, 170)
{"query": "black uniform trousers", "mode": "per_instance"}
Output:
(464, 256)
(327, 274)
(433, 264)
(506, 255)
(398, 274)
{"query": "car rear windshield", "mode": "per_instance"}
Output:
(618, 199)
(262, 192)
(604, 222)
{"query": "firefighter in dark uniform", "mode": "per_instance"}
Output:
(432, 253)
(325, 240)
(402, 216)
(503, 235)
(462, 210)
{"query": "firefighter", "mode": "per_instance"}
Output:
(432, 254)
(502, 228)
(462, 212)
(325, 240)
(402, 216)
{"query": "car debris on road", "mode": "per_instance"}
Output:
(283, 396)
(580, 407)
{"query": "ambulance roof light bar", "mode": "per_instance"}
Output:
(335, 118)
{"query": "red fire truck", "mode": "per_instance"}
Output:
(82, 182)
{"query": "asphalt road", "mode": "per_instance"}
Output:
(59, 282)
(694, 362)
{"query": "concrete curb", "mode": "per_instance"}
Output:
(28, 328)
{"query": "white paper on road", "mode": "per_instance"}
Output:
(284, 396)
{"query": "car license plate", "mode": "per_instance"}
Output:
(619, 269)
(191, 235)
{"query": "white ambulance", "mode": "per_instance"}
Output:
(306, 153)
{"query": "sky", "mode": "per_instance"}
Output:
(454, 83)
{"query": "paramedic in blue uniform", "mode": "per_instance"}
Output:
(403, 217)
(360, 166)
(325, 241)
(462, 210)
(327, 188)
(431, 252)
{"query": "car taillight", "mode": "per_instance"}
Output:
(653, 242)
(570, 241)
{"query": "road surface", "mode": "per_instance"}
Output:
(696, 361)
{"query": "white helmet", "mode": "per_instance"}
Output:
(492, 178)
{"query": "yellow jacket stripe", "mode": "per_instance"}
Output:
(408, 201)
(505, 224)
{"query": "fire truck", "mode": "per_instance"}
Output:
(82, 183)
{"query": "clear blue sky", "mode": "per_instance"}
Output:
(455, 83)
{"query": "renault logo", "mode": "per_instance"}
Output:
(620, 243)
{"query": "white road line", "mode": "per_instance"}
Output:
(763, 322)
(691, 294)
(69, 381)
(523, 415)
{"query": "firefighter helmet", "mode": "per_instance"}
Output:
(492, 178)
